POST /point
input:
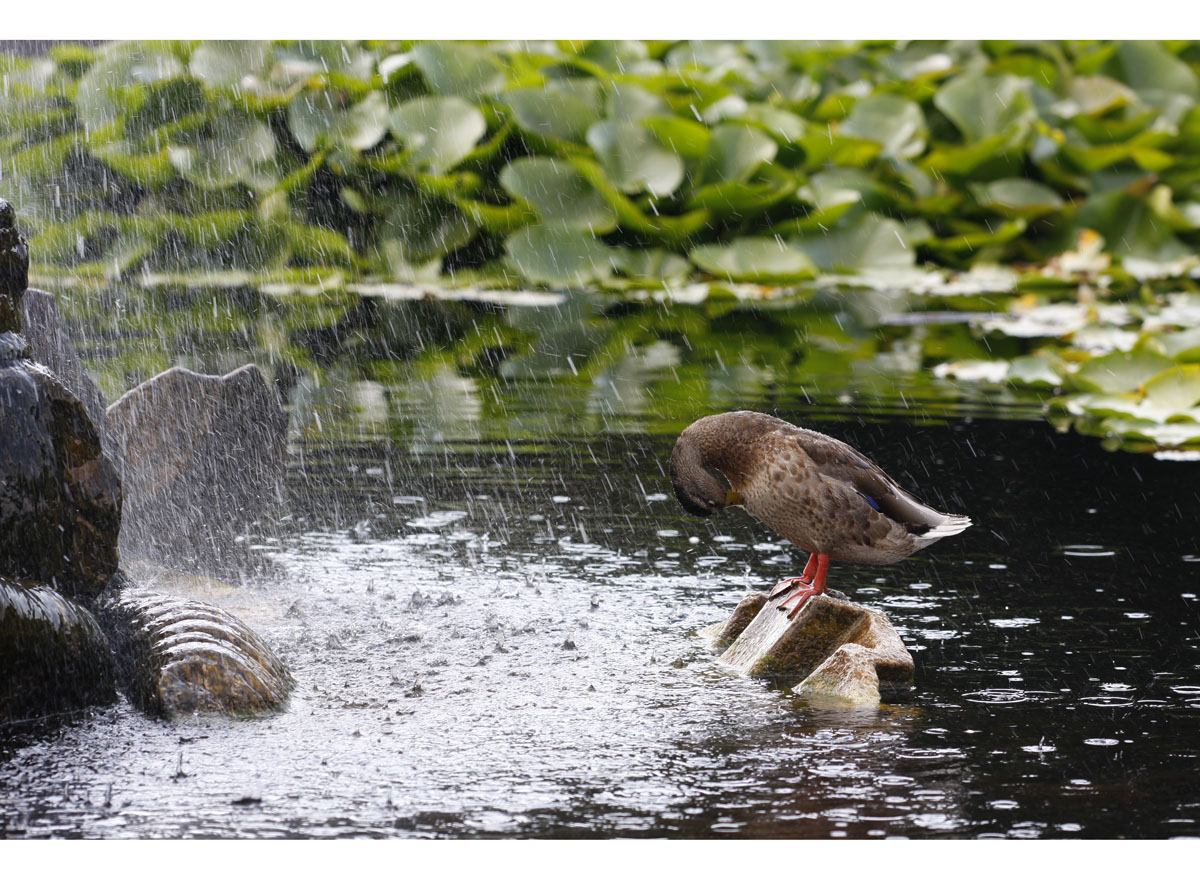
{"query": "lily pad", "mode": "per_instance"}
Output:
(557, 256)
(986, 105)
(1150, 69)
(653, 265)
(319, 122)
(116, 83)
(755, 259)
(630, 103)
(685, 137)
(225, 63)
(562, 110)
(1182, 346)
(438, 131)
(634, 159)
(559, 192)
(242, 150)
(1176, 389)
(417, 229)
(1120, 372)
(736, 151)
(1034, 372)
(895, 123)
(1018, 197)
(870, 242)
(458, 69)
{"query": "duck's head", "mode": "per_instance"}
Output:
(696, 486)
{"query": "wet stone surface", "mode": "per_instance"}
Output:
(203, 453)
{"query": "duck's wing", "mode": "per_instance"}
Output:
(842, 462)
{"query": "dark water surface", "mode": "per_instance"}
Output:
(492, 622)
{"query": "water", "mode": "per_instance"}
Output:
(490, 602)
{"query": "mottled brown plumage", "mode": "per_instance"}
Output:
(817, 492)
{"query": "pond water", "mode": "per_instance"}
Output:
(490, 601)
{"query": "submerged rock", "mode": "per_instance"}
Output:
(53, 655)
(184, 656)
(833, 649)
(201, 456)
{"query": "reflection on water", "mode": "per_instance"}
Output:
(490, 601)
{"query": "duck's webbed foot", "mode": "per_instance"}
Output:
(788, 584)
(811, 583)
(793, 603)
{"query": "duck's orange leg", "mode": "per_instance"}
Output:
(810, 569)
(797, 599)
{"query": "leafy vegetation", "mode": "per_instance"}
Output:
(1061, 179)
(397, 161)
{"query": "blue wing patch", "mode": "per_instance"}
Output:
(871, 501)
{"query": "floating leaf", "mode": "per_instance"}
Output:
(630, 103)
(1177, 388)
(1150, 69)
(417, 230)
(656, 265)
(242, 150)
(736, 151)
(1183, 346)
(1119, 372)
(1033, 371)
(895, 123)
(563, 110)
(634, 159)
(871, 242)
(784, 126)
(318, 121)
(1017, 197)
(732, 197)
(754, 259)
(559, 192)
(1097, 95)
(225, 63)
(688, 138)
(557, 256)
(983, 105)
(438, 132)
(457, 69)
(116, 84)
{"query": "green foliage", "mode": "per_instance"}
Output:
(856, 155)
(618, 164)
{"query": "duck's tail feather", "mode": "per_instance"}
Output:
(951, 525)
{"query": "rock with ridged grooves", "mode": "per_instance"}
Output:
(184, 656)
(833, 650)
(53, 655)
(60, 516)
(201, 457)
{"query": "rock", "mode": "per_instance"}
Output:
(48, 341)
(184, 656)
(60, 498)
(201, 457)
(833, 649)
(724, 635)
(221, 441)
(53, 655)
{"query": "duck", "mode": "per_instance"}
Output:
(822, 495)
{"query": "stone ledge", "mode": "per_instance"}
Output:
(833, 650)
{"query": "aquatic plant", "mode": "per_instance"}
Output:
(1050, 185)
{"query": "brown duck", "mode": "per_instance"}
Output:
(817, 492)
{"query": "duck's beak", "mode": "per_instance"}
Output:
(732, 498)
